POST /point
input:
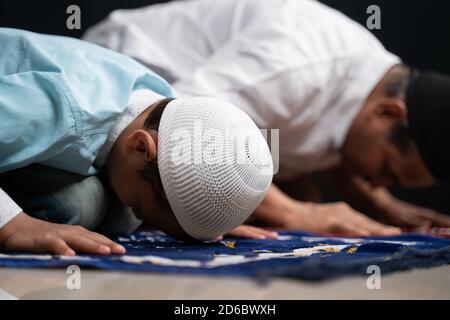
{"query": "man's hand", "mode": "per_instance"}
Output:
(24, 233)
(251, 232)
(400, 213)
(381, 205)
(334, 219)
(279, 211)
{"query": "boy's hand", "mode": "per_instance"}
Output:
(24, 233)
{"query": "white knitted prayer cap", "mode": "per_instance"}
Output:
(215, 165)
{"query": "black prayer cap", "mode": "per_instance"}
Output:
(428, 103)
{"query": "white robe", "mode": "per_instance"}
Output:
(296, 65)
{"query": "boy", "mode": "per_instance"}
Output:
(74, 106)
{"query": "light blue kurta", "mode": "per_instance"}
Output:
(59, 98)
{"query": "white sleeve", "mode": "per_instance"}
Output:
(8, 208)
(176, 36)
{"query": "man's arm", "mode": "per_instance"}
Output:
(379, 204)
(282, 212)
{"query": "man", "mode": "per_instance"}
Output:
(84, 110)
(337, 96)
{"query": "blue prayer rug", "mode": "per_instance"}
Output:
(293, 254)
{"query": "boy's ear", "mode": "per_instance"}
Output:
(392, 108)
(142, 144)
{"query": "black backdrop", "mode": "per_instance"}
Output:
(417, 31)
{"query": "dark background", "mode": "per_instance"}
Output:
(417, 31)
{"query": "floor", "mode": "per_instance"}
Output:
(51, 284)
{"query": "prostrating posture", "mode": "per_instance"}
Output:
(70, 110)
(344, 105)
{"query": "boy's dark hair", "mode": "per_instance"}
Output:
(150, 171)
(396, 87)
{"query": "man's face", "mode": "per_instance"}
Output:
(384, 164)
(370, 152)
